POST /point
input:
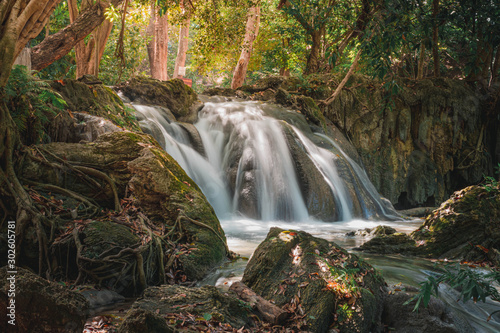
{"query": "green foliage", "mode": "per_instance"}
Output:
(31, 103)
(471, 283)
(491, 184)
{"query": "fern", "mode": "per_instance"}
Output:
(31, 103)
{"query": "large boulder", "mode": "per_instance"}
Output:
(467, 226)
(147, 177)
(39, 305)
(179, 98)
(318, 280)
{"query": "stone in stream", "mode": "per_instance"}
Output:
(436, 318)
(318, 281)
(40, 306)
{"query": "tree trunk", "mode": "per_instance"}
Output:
(158, 45)
(59, 44)
(435, 37)
(252, 30)
(270, 312)
(495, 69)
(421, 62)
(344, 81)
(180, 61)
(85, 53)
(20, 21)
(312, 65)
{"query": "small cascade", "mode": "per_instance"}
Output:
(250, 163)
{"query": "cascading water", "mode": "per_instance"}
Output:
(261, 166)
(245, 166)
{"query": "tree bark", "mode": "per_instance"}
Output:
(435, 37)
(180, 61)
(312, 65)
(85, 53)
(270, 312)
(421, 62)
(158, 45)
(59, 44)
(495, 69)
(252, 30)
(20, 21)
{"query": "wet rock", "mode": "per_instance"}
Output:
(227, 92)
(467, 226)
(194, 137)
(40, 306)
(317, 194)
(318, 279)
(309, 108)
(172, 94)
(378, 230)
(393, 243)
(206, 301)
(418, 211)
(89, 128)
(437, 317)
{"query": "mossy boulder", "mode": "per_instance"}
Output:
(151, 180)
(179, 98)
(227, 92)
(318, 279)
(141, 321)
(393, 243)
(89, 95)
(465, 226)
(207, 303)
(40, 305)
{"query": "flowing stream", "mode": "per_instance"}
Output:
(260, 166)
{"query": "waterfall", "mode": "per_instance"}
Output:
(245, 159)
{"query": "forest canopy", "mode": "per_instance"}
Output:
(383, 38)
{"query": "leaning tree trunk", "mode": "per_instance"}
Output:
(252, 30)
(85, 53)
(59, 44)
(180, 61)
(158, 45)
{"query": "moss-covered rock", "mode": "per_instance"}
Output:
(317, 278)
(179, 98)
(227, 92)
(203, 302)
(393, 243)
(40, 306)
(141, 321)
(89, 95)
(154, 181)
(465, 226)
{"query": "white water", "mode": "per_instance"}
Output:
(229, 129)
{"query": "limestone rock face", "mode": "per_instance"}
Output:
(180, 99)
(41, 306)
(317, 278)
(421, 150)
